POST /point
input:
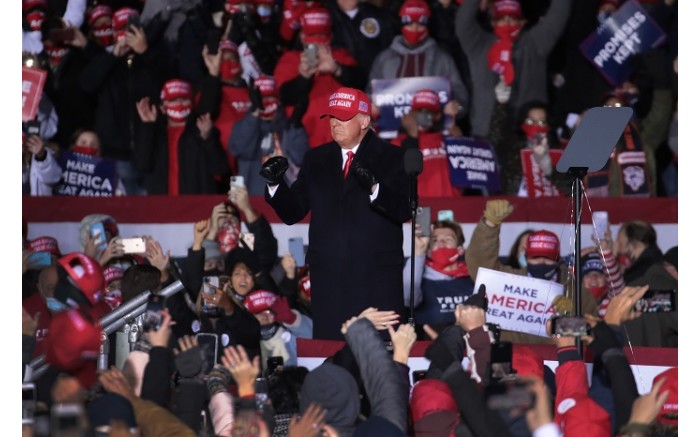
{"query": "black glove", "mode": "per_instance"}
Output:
(274, 168)
(255, 96)
(364, 175)
(189, 363)
(605, 338)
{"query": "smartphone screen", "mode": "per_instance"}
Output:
(209, 344)
(569, 326)
(153, 317)
(98, 230)
(423, 219)
(296, 248)
(40, 259)
(501, 360)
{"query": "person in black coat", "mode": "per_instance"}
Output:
(358, 203)
(191, 134)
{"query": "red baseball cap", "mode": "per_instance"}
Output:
(73, 344)
(504, 8)
(670, 407)
(113, 273)
(175, 88)
(527, 362)
(44, 244)
(267, 85)
(259, 301)
(233, 6)
(30, 4)
(121, 17)
(426, 99)
(227, 44)
(316, 25)
(345, 103)
(414, 11)
(542, 243)
(98, 12)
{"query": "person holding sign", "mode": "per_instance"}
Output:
(357, 192)
(422, 129)
(541, 254)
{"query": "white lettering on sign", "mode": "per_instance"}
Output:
(623, 42)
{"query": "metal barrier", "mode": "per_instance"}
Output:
(111, 322)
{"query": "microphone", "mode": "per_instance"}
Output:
(413, 161)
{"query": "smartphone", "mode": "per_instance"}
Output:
(153, 317)
(260, 392)
(32, 127)
(423, 219)
(28, 402)
(296, 248)
(61, 36)
(98, 230)
(40, 259)
(133, 20)
(211, 283)
(249, 239)
(600, 224)
(209, 344)
(446, 215)
(273, 363)
(419, 375)
(570, 326)
(511, 395)
(213, 41)
(237, 181)
(134, 245)
(501, 360)
(658, 301)
(66, 419)
(311, 53)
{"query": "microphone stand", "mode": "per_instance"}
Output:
(413, 196)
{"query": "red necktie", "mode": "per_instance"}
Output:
(346, 168)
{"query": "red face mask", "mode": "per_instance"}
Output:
(230, 70)
(178, 112)
(509, 32)
(414, 37)
(532, 129)
(444, 257)
(228, 237)
(598, 292)
(35, 18)
(104, 34)
(56, 54)
(85, 150)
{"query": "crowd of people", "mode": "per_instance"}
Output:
(178, 99)
(182, 96)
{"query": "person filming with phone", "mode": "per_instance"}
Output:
(356, 190)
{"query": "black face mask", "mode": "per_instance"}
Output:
(268, 331)
(543, 271)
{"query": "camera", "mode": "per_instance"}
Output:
(311, 54)
(153, 317)
(505, 391)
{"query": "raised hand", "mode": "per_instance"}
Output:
(147, 112)
(496, 211)
(244, 372)
(205, 125)
(403, 340)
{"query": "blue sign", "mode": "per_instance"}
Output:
(393, 98)
(472, 164)
(87, 176)
(627, 32)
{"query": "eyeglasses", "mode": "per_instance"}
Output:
(533, 122)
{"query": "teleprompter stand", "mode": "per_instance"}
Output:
(588, 151)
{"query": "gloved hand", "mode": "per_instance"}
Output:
(364, 175)
(255, 96)
(283, 313)
(502, 91)
(189, 363)
(273, 169)
(563, 305)
(497, 210)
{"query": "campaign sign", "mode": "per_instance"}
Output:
(393, 98)
(32, 86)
(536, 183)
(627, 32)
(472, 164)
(87, 176)
(518, 303)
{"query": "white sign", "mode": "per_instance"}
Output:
(518, 303)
